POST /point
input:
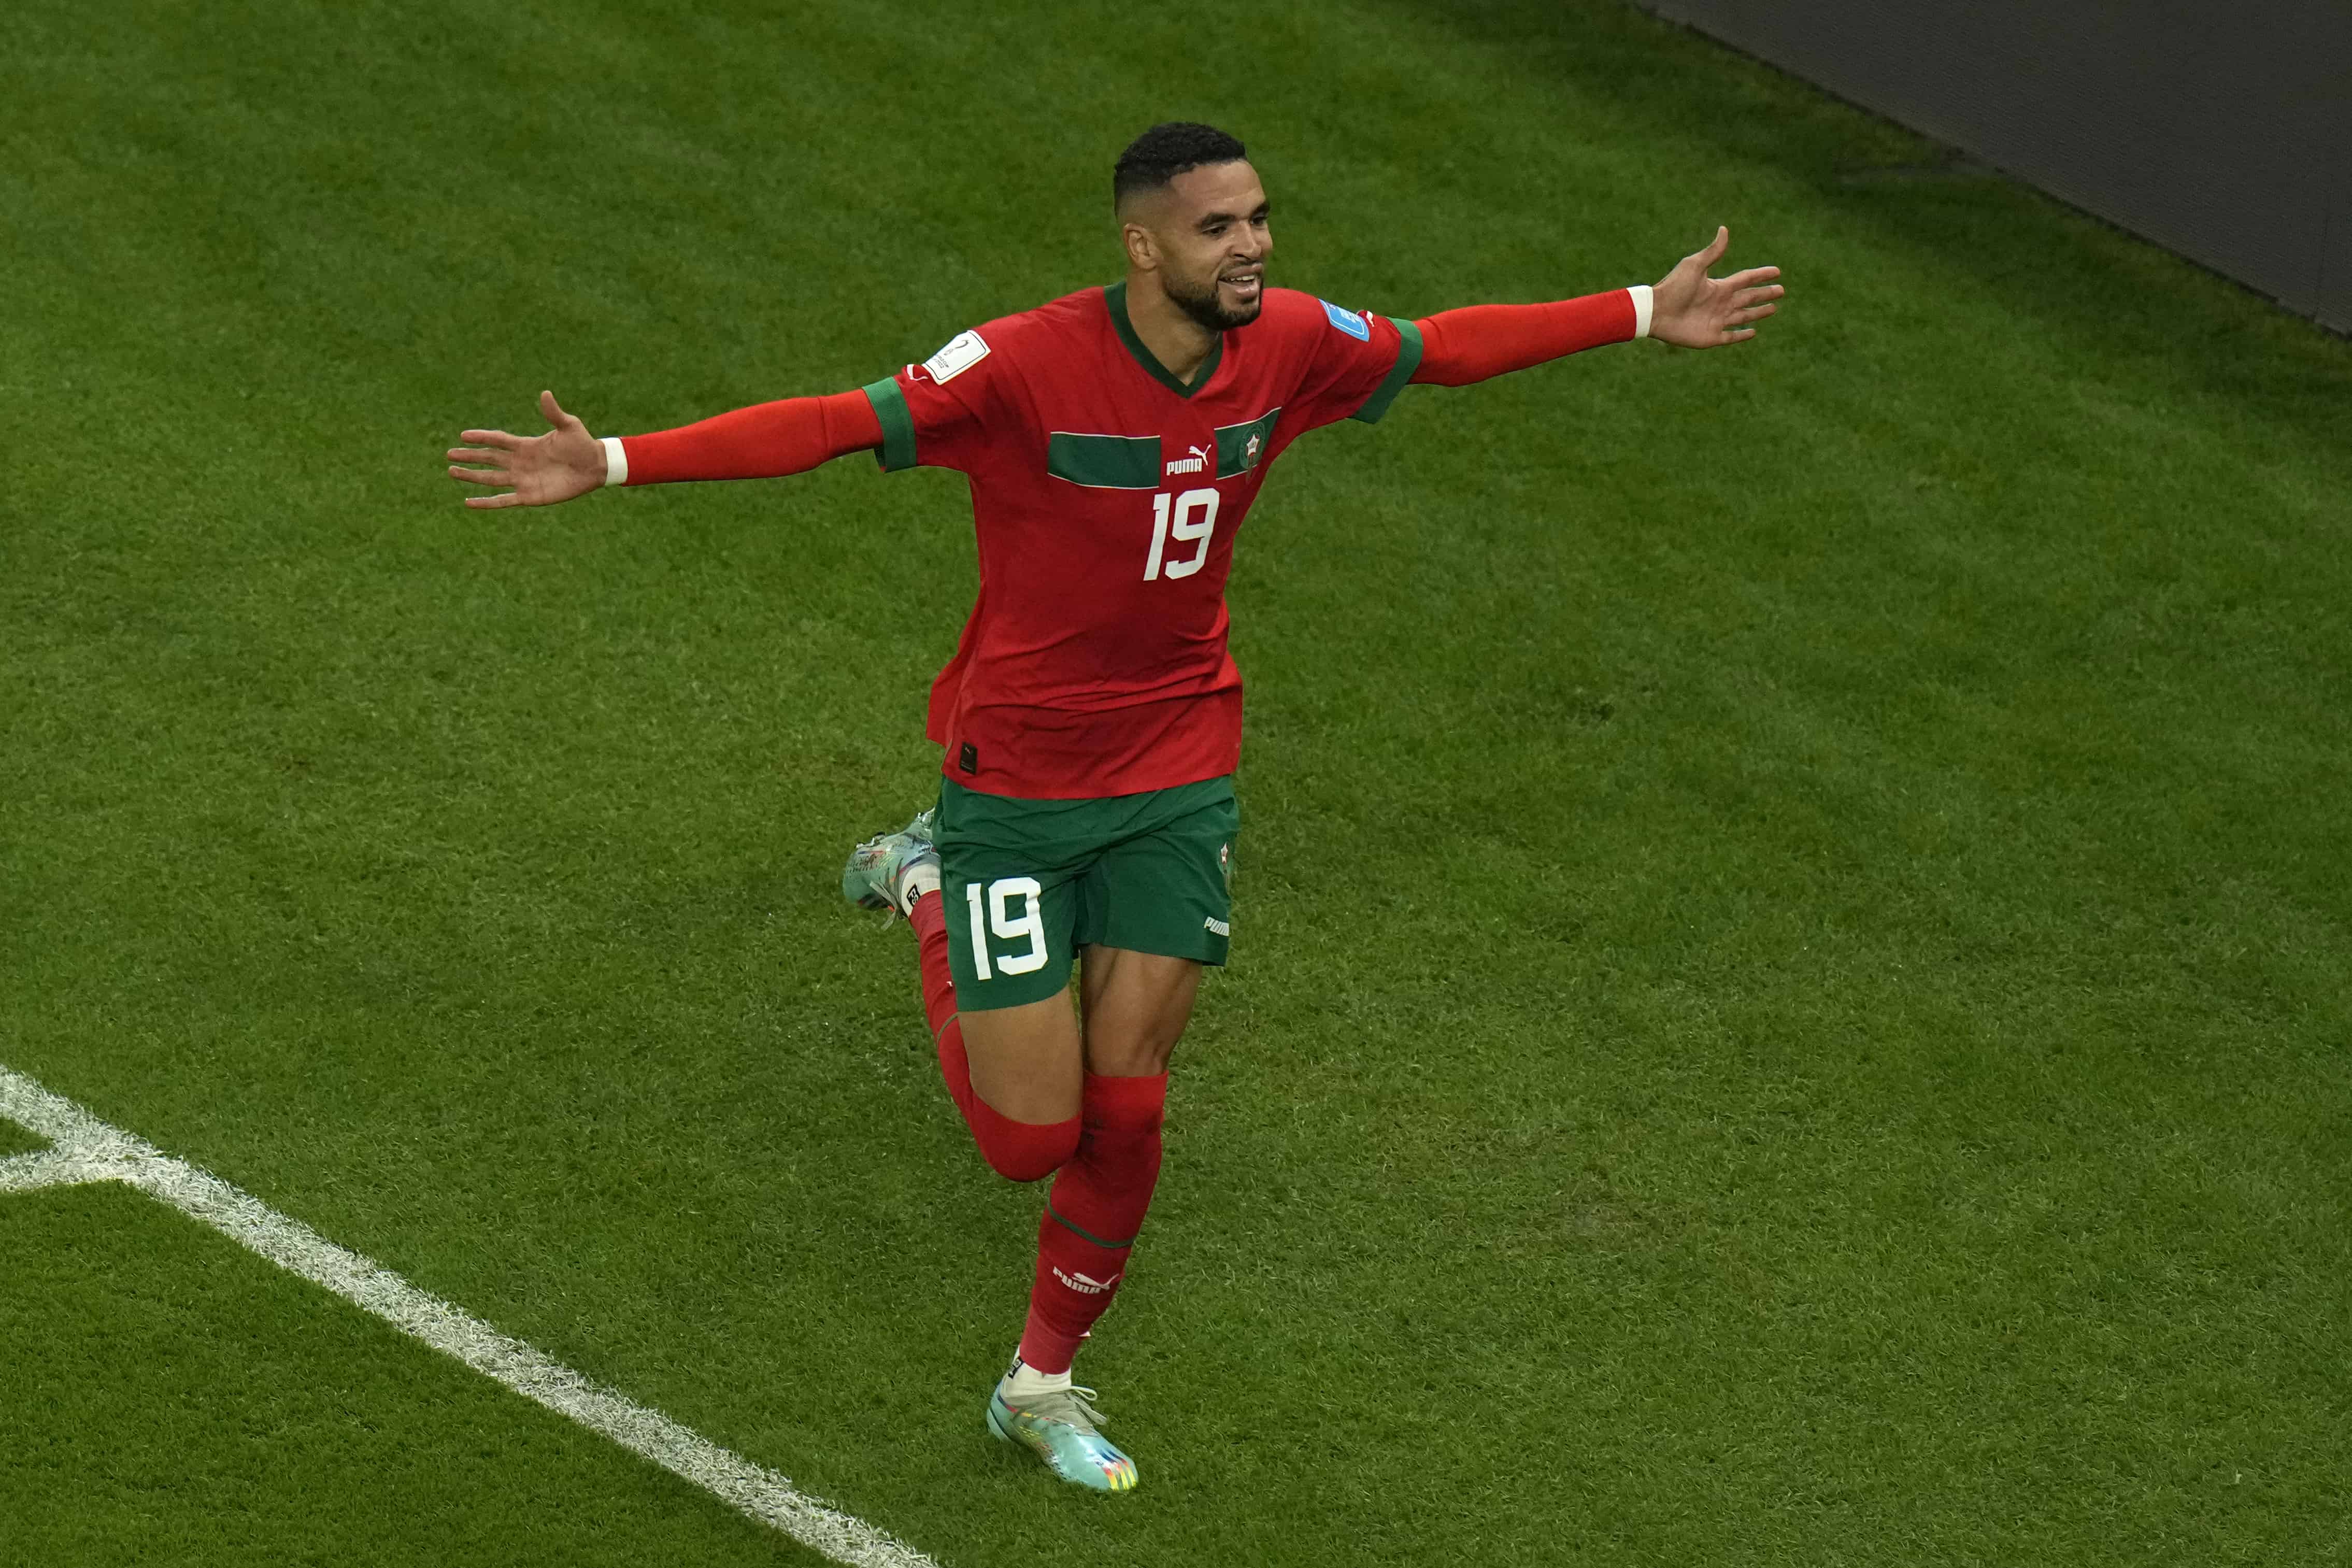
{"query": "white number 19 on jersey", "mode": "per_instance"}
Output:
(1186, 527)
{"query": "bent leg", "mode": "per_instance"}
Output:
(1026, 1060)
(1012, 1072)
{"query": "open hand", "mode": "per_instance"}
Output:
(542, 470)
(1689, 308)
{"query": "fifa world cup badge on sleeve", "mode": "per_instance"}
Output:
(1347, 321)
(963, 350)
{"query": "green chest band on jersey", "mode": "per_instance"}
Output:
(1104, 462)
(1135, 462)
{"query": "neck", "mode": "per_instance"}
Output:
(1175, 339)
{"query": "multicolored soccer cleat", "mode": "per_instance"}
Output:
(1059, 1427)
(877, 868)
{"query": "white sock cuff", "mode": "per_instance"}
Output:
(1023, 1379)
(917, 880)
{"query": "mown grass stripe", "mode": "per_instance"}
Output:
(89, 1149)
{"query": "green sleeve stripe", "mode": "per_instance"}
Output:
(1408, 361)
(897, 424)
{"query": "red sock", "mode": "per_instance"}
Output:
(1024, 1150)
(1092, 1215)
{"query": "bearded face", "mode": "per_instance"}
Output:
(1219, 303)
(1209, 226)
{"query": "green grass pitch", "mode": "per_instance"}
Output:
(1791, 997)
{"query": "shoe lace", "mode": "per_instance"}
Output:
(1069, 1404)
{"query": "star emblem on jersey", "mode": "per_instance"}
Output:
(1250, 451)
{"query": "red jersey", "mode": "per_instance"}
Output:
(1106, 495)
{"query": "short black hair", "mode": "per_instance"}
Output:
(1166, 150)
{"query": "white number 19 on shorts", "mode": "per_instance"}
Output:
(999, 916)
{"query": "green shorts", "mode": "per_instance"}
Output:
(1029, 882)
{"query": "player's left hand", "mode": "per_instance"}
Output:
(1689, 308)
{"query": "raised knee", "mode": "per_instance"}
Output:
(1029, 1150)
(1024, 1151)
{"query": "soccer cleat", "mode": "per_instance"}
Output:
(1059, 1427)
(877, 869)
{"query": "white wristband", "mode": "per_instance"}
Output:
(1640, 293)
(616, 459)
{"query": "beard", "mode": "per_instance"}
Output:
(1201, 305)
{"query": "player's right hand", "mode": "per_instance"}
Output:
(542, 470)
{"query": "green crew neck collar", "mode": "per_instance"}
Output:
(1115, 296)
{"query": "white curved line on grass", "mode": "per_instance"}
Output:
(55, 1168)
(88, 1149)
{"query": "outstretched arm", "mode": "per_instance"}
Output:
(1686, 307)
(767, 441)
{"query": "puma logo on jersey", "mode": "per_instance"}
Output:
(1191, 465)
(1213, 923)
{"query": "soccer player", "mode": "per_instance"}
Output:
(1091, 717)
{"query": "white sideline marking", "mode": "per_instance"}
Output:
(54, 1168)
(88, 1149)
